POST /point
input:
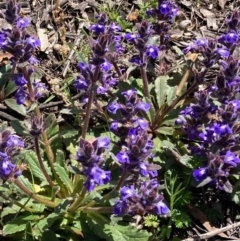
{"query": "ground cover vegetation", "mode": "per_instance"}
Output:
(145, 153)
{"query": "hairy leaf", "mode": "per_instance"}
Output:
(18, 224)
(63, 175)
(11, 103)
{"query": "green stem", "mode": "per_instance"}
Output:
(22, 206)
(37, 149)
(96, 209)
(159, 118)
(34, 196)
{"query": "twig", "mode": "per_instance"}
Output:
(61, 3)
(213, 233)
(76, 43)
(7, 116)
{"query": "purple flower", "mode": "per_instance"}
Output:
(143, 106)
(21, 95)
(123, 157)
(200, 174)
(114, 27)
(231, 159)
(106, 66)
(165, 8)
(19, 79)
(22, 22)
(130, 36)
(34, 42)
(80, 84)
(98, 28)
(14, 142)
(96, 176)
(113, 107)
(127, 192)
(152, 52)
(162, 208)
(230, 38)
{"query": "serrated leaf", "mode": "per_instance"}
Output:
(18, 224)
(10, 210)
(12, 104)
(52, 126)
(60, 158)
(31, 158)
(19, 128)
(63, 175)
(126, 233)
(49, 235)
(68, 134)
(28, 232)
(25, 183)
(171, 93)
(160, 89)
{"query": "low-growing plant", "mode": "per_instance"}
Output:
(138, 144)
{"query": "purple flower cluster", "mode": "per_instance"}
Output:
(9, 145)
(140, 41)
(141, 201)
(90, 155)
(213, 120)
(165, 13)
(20, 45)
(105, 47)
(15, 40)
(132, 131)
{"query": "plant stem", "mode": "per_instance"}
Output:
(34, 196)
(117, 69)
(37, 149)
(159, 118)
(89, 104)
(22, 206)
(143, 70)
(97, 209)
(78, 200)
(121, 180)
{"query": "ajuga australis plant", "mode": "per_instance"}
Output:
(85, 183)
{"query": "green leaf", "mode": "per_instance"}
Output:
(68, 134)
(52, 126)
(126, 233)
(10, 88)
(161, 88)
(12, 104)
(10, 210)
(28, 232)
(165, 130)
(63, 175)
(46, 223)
(5, 72)
(49, 235)
(31, 158)
(235, 195)
(18, 224)
(26, 183)
(60, 158)
(19, 128)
